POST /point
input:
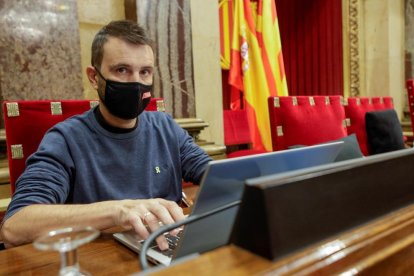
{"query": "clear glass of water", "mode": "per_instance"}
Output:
(67, 241)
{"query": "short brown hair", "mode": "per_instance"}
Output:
(125, 30)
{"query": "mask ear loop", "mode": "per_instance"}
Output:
(99, 73)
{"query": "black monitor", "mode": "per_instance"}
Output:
(281, 214)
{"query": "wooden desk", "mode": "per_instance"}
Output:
(104, 256)
(383, 247)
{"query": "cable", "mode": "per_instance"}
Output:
(160, 231)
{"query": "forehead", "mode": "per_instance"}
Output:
(119, 51)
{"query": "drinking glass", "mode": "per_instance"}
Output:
(66, 241)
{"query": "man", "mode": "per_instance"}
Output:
(115, 165)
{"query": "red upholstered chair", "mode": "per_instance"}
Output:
(355, 109)
(305, 120)
(156, 104)
(27, 121)
(381, 103)
(237, 134)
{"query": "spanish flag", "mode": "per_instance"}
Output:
(256, 64)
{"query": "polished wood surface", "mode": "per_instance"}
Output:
(381, 247)
(104, 256)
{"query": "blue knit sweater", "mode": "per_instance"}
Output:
(78, 161)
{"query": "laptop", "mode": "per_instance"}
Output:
(222, 184)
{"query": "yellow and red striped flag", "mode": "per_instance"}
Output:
(256, 65)
(226, 28)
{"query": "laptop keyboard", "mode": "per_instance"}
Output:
(172, 242)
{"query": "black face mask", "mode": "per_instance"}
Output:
(125, 100)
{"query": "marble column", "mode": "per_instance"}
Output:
(39, 50)
(168, 23)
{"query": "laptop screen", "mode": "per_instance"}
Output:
(223, 183)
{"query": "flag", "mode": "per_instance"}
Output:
(226, 28)
(256, 64)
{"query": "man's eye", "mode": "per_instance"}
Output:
(121, 70)
(145, 72)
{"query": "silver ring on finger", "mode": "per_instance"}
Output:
(146, 215)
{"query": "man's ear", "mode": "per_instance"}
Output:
(92, 76)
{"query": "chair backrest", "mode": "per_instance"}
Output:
(305, 120)
(156, 104)
(236, 128)
(355, 110)
(26, 122)
(237, 135)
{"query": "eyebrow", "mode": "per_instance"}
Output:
(113, 67)
(148, 67)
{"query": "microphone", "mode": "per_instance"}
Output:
(166, 228)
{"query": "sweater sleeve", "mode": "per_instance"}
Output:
(193, 158)
(46, 179)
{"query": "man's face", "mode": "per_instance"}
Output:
(125, 62)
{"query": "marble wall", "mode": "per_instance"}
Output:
(90, 22)
(382, 38)
(168, 23)
(206, 67)
(39, 50)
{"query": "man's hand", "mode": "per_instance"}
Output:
(138, 214)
